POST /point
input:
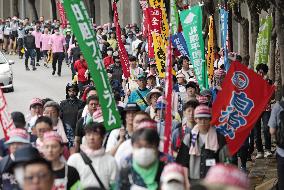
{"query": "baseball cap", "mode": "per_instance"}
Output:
(52, 135)
(141, 76)
(132, 107)
(180, 75)
(153, 91)
(173, 171)
(202, 111)
(149, 124)
(18, 135)
(36, 101)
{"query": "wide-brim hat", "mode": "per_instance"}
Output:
(153, 91)
(132, 107)
(17, 139)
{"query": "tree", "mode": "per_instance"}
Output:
(34, 11)
(54, 10)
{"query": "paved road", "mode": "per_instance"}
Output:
(39, 83)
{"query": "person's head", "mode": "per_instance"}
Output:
(185, 62)
(81, 57)
(262, 69)
(173, 177)
(18, 119)
(160, 108)
(104, 38)
(219, 76)
(38, 175)
(17, 139)
(94, 133)
(130, 35)
(41, 19)
(130, 110)
(191, 89)
(71, 91)
(99, 30)
(109, 51)
(207, 93)
(142, 81)
(46, 30)
(56, 30)
(123, 38)
(51, 109)
(139, 117)
(93, 104)
(151, 80)
(52, 146)
(91, 91)
(132, 62)
(112, 35)
(145, 142)
(180, 78)
(43, 124)
(188, 110)
(202, 117)
(153, 96)
(36, 107)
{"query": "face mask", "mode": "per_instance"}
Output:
(144, 156)
(109, 53)
(175, 186)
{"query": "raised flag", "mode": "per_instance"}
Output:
(178, 42)
(160, 55)
(263, 41)
(168, 95)
(238, 107)
(191, 20)
(6, 121)
(224, 35)
(210, 49)
(144, 5)
(86, 37)
(174, 17)
(124, 61)
(62, 14)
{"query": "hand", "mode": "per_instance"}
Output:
(122, 133)
(128, 92)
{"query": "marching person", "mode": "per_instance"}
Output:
(29, 45)
(57, 46)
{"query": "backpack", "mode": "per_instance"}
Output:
(280, 129)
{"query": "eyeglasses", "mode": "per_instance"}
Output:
(40, 176)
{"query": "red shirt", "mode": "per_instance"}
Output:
(81, 67)
(108, 61)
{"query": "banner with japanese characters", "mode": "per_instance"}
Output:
(191, 21)
(123, 56)
(178, 42)
(210, 49)
(174, 17)
(144, 5)
(6, 121)
(61, 13)
(154, 21)
(86, 37)
(224, 35)
(263, 41)
(160, 55)
(238, 106)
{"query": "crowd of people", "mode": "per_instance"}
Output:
(59, 145)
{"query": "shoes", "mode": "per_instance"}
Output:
(46, 65)
(53, 72)
(27, 69)
(59, 74)
(268, 154)
(259, 155)
(37, 64)
(34, 68)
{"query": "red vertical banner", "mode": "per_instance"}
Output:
(169, 91)
(237, 107)
(144, 5)
(121, 48)
(62, 14)
(6, 121)
(153, 17)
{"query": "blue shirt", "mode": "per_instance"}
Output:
(135, 98)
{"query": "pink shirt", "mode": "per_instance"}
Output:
(37, 36)
(44, 41)
(57, 43)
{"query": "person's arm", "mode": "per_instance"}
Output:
(113, 150)
(272, 123)
(77, 142)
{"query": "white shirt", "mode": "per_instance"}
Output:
(112, 139)
(104, 165)
(123, 151)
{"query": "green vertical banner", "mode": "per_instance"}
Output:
(191, 21)
(174, 17)
(263, 41)
(86, 37)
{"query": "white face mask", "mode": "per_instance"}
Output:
(109, 53)
(144, 156)
(173, 185)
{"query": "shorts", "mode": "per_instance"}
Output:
(6, 37)
(13, 37)
(1, 41)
